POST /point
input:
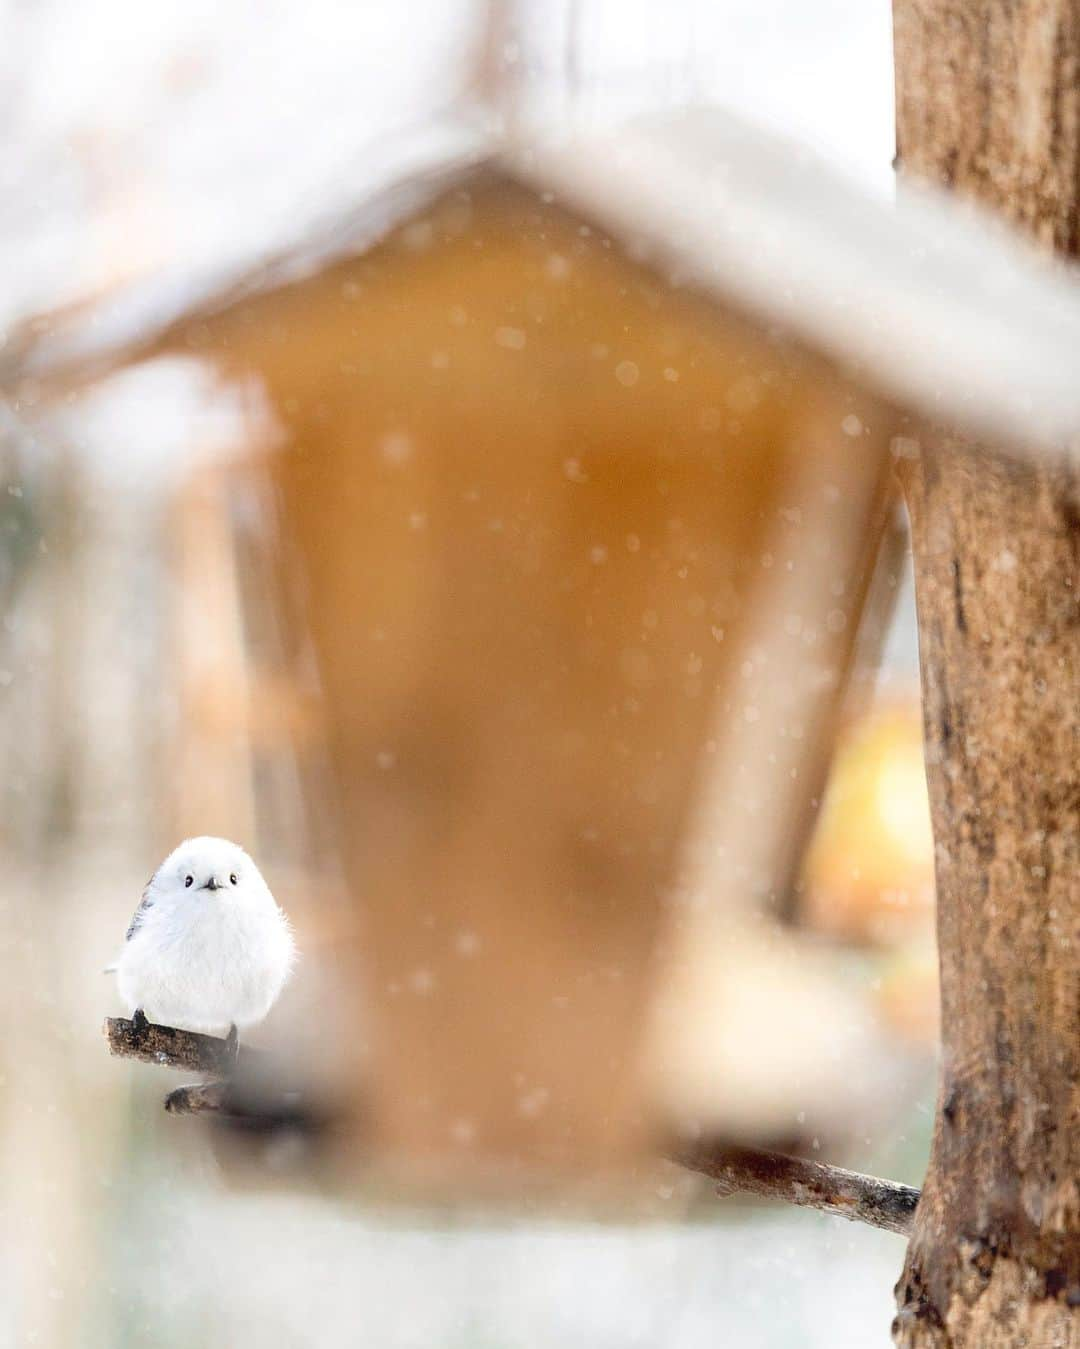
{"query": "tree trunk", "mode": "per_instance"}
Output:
(988, 102)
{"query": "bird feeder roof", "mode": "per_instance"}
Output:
(921, 299)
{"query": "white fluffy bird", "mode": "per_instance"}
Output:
(208, 949)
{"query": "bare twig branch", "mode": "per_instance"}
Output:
(245, 1087)
(830, 1189)
(171, 1048)
(264, 1106)
(199, 1098)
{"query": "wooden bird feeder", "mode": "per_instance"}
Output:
(581, 452)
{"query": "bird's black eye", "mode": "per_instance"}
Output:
(189, 881)
(233, 878)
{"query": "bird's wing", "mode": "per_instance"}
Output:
(140, 913)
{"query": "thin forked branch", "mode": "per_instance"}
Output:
(243, 1086)
(772, 1175)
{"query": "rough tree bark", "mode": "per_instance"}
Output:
(988, 103)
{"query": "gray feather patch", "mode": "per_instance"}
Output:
(140, 913)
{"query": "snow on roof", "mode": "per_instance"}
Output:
(398, 175)
(924, 299)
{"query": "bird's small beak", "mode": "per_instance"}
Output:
(213, 884)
